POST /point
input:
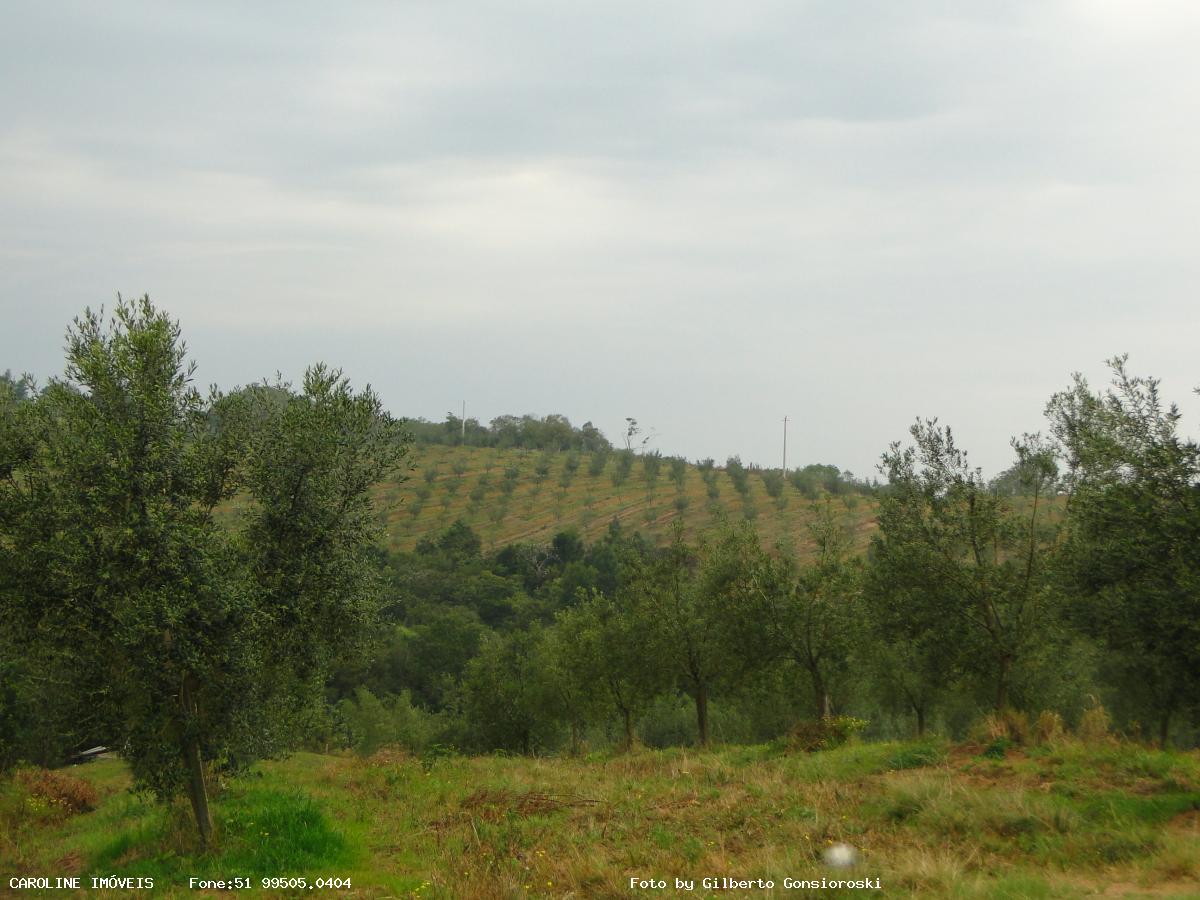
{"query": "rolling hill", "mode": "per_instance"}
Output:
(521, 495)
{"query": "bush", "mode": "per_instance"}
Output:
(738, 474)
(1048, 729)
(678, 470)
(1094, 725)
(1008, 724)
(997, 748)
(623, 467)
(651, 463)
(63, 793)
(597, 462)
(772, 480)
(824, 734)
(571, 463)
(372, 723)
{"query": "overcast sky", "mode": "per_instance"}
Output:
(706, 215)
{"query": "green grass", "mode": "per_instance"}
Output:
(928, 819)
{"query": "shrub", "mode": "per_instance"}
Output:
(623, 467)
(678, 470)
(1094, 725)
(597, 462)
(825, 733)
(651, 463)
(1008, 724)
(997, 748)
(738, 474)
(1048, 729)
(772, 480)
(372, 723)
(61, 792)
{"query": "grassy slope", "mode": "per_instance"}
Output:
(538, 508)
(1063, 821)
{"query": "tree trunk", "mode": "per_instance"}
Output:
(820, 694)
(1002, 683)
(1164, 729)
(628, 729)
(197, 789)
(702, 714)
(920, 711)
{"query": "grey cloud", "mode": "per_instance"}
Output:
(701, 214)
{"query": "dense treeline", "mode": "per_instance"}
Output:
(553, 432)
(133, 615)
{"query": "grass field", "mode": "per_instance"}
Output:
(928, 819)
(525, 495)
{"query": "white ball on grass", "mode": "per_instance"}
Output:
(840, 856)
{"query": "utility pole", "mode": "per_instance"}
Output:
(785, 421)
(464, 423)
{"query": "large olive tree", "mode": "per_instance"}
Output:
(194, 562)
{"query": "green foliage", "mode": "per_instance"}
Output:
(678, 470)
(814, 481)
(372, 723)
(622, 467)
(597, 460)
(184, 641)
(690, 603)
(504, 691)
(651, 466)
(738, 474)
(825, 733)
(553, 432)
(810, 615)
(955, 567)
(1134, 505)
(773, 482)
